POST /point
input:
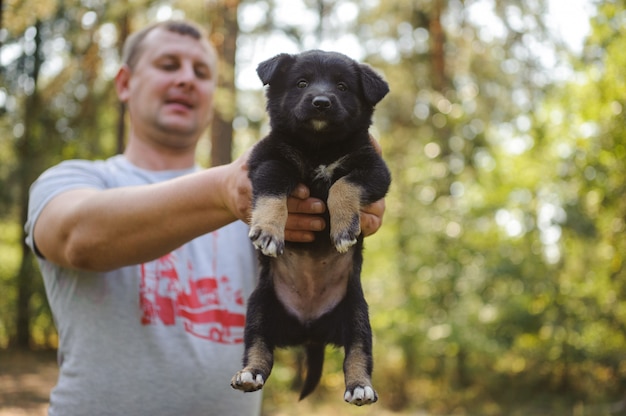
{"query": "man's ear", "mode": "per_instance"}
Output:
(122, 80)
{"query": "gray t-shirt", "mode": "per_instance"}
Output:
(159, 338)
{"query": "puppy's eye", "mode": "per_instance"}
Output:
(342, 86)
(303, 83)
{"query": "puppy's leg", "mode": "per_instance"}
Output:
(267, 227)
(357, 373)
(344, 203)
(258, 362)
(258, 357)
(272, 182)
(358, 362)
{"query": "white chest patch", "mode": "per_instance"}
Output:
(325, 172)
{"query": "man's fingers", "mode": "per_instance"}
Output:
(300, 228)
(305, 206)
(376, 145)
(301, 192)
(372, 217)
(303, 222)
(303, 219)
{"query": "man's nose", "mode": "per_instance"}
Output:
(186, 74)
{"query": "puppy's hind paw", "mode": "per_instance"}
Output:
(268, 243)
(245, 380)
(361, 395)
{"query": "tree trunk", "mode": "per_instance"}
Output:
(27, 154)
(1, 16)
(124, 30)
(437, 46)
(224, 31)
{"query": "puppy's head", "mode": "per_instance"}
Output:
(320, 92)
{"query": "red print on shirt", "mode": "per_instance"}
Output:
(209, 307)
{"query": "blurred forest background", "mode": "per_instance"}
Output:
(497, 284)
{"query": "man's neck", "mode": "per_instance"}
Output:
(155, 157)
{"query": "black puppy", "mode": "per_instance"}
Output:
(320, 106)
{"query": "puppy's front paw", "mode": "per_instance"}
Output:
(360, 395)
(343, 242)
(247, 380)
(267, 226)
(344, 208)
(346, 237)
(269, 244)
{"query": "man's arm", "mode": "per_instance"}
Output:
(106, 229)
(102, 230)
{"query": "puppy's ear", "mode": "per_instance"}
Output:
(268, 70)
(374, 86)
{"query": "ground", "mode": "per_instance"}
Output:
(26, 379)
(25, 382)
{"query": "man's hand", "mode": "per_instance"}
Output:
(303, 219)
(372, 217)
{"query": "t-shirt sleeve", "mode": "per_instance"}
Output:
(66, 176)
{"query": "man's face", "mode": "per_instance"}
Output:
(170, 90)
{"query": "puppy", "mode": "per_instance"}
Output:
(320, 106)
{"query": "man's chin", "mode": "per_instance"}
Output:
(177, 125)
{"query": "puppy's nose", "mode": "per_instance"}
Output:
(321, 102)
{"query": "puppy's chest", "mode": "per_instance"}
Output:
(320, 175)
(326, 171)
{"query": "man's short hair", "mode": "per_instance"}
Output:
(132, 46)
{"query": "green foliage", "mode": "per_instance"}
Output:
(497, 283)
(56, 103)
(9, 265)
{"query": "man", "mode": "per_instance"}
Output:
(145, 259)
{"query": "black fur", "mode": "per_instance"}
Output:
(320, 106)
